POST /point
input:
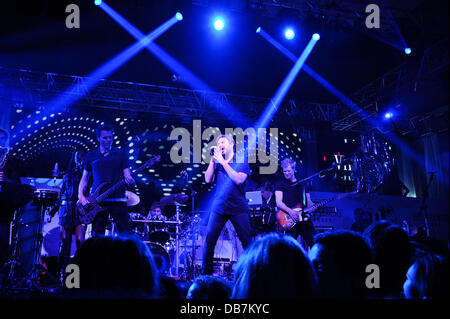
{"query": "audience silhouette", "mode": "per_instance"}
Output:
(340, 258)
(209, 287)
(275, 266)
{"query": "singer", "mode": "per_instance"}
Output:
(229, 202)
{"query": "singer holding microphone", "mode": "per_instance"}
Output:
(229, 202)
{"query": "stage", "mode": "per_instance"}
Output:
(168, 103)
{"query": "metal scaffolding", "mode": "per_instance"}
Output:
(38, 88)
(405, 77)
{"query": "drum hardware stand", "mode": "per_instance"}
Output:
(13, 242)
(37, 268)
(193, 238)
(177, 238)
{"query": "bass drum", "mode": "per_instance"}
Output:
(161, 257)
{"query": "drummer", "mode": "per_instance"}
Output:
(155, 212)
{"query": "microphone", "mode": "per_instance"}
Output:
(55, 171)
(211, 151)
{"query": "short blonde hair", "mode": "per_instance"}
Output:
(288, 162)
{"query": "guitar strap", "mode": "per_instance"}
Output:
(303, 194)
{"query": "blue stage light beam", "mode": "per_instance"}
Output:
(71, 95)
(229, 112)
(352, 105)
(280, 94)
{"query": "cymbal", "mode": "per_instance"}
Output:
(132, 198)
(173, 199)
(5, 180)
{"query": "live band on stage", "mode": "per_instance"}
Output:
(94, 198)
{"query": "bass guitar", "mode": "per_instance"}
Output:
(287, 222)
(88, 212)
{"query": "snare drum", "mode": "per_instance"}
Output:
(47, 197)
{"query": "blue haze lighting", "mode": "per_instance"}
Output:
(88, 83)
(219, 24)
(352, 105)
(273, 105)
(408, 51)
(229, 111)
(289, 34)
(276, 100)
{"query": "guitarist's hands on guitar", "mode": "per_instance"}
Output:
(129, 180)
(83, 200)
(295, 215)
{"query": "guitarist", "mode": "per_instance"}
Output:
(288, 195)
(107, 164)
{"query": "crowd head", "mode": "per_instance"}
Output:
(274, 267)
(209, 287)
(427, 277)
(117, 266)
(340, 259)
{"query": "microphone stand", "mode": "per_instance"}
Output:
(69, 171)
(329, 169)
(193, 232)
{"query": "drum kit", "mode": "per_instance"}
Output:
(24, 266)
(169, 236)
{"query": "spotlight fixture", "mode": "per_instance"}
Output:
(289, 34)
(258, 30)
(219, 24)
(388, 115)
(179, 16)
(408, 50)
(98, 2)
(316, 36)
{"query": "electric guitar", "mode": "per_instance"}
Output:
(287, 222)
(88, 212)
